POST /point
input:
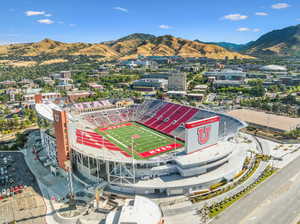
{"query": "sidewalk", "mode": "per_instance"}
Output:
(50, 186)
(55, 186)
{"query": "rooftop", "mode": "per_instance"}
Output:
(141, 210)
(45, 110)
(273, 68)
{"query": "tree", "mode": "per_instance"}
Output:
(258, 91)
(289, 99)
(298, 111)
(159, 94)
(275, 107)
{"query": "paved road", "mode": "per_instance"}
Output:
(239, 188)
(277, 201)
(170, 211)
(187, 211)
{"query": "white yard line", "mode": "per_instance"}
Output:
(153, 133)
(117, 140)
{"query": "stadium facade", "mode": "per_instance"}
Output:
(156, 147)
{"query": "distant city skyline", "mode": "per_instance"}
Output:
(96, 21)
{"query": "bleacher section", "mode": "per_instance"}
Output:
(109, 117)
(169, 117)
(95, 140)
(165, 117)
(92, 106)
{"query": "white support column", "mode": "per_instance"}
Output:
(107, 171)
(89, 166)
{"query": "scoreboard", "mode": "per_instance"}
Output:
(201, 134)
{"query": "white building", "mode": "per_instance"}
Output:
(177, 81)
(226, 74)
(139, 210)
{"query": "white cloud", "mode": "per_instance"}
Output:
(45, 21)
(120, 9)
(280, 6)
(72, 25)
(243, 29)
(34, 13)
(165, 27)
(246, 29)
(235, 17)
(298, 19)
(261, 14)
(48, 15)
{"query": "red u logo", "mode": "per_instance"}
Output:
(203, 134)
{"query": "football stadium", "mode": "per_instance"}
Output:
(154, 147)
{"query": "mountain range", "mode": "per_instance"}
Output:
(124, 48)
(283, 42)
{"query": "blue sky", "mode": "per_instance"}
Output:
(237, 21)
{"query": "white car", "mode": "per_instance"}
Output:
(7, 192)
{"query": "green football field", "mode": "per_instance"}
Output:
(146, 141)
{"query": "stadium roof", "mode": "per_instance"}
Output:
(45, 110)
(141, 210)
(281, 123)
(273, 68)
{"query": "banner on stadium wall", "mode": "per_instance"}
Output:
(201, 134)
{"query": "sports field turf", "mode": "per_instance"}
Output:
(147, 142)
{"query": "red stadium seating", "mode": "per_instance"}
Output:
(177, 112)
(158, 114)
(95, 140)
(170, 117)
(183, 119)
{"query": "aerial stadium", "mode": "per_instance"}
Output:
(154, 147)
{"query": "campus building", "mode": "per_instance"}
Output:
(177, 81)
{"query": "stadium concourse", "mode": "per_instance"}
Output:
(156, 147)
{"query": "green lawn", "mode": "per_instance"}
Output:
(148, 138)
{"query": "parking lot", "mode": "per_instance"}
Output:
(20, 198)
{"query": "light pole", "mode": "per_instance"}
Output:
(133, 168)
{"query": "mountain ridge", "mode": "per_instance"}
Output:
(130, 46)
(280, 42)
